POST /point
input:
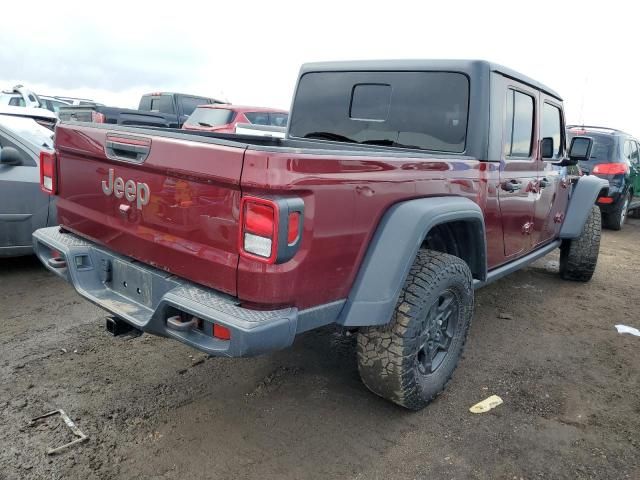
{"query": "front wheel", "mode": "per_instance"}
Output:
(410, 360)
(579, 256)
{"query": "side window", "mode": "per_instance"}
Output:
(279, 119)
(633, 157)
(17, 102)
(519, 125)
(189, 104)
(551, 126)
(258, 118)
(627, 150)
(28, 160)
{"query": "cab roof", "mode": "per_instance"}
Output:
(470, 67)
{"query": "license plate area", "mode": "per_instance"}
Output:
(132, 282)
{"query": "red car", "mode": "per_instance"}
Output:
(224, 118)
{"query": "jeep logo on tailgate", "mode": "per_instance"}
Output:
(132, 191)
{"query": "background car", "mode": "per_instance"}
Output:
(224, 118)
(23, 206)
(52, 104)
(615, 156)
(42, 116)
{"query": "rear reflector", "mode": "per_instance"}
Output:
(223, 333)
(294, 228)
(258, 245)
(611, 169)
(605, 200)
(48, 173)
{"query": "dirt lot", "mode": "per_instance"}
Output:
(156, 409)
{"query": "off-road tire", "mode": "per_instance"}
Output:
(391, 357)
(615, 219)
(578, 257)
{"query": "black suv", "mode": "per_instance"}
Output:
(615, 156)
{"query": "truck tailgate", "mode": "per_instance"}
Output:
(168, 202)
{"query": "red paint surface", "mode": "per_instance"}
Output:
(191, 225)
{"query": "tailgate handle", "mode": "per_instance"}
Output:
(127, 148)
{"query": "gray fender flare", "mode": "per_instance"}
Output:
(393, 249)
(583, 196)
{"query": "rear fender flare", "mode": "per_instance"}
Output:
(583, 196)
(392, 250)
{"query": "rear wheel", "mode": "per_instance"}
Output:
(616, 218)
(578, 257)
(410, 360)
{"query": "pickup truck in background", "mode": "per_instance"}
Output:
(161, 109)
(377, 213)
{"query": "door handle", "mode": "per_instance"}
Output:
(543, 183)
(511, 186)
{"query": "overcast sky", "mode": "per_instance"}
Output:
(249, 52)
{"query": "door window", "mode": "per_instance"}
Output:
(631, 153)
(279, 119)
(551, 126)
(519, 125)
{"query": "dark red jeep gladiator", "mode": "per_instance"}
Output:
(401, 186)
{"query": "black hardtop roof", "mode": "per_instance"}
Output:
(465, 66)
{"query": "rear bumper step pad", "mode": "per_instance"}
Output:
(146, 297)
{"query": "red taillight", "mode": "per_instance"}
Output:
(605, 200)
(259, 219)
(611, 169)
(97, 117)
(48, 172)
(259, 229)
(223, 333)
(270, 230)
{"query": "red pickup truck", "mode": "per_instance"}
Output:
(401, 186)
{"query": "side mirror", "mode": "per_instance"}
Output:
(546, 146)
(10, 156)
(580, 150)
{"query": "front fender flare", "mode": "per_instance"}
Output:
(583, 196)
(393, 249)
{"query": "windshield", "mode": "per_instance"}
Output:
(28, 130)
(210, 117)
(422, 110)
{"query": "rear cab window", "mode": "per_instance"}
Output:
(157, 103)
(210, 117)
(417, 110)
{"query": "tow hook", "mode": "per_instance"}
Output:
(176, 323)
(57, 262)
(116, 327)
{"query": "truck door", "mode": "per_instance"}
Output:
(23, 207)
(518, 170)
(552, 192)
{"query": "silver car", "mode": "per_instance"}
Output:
(23, 206)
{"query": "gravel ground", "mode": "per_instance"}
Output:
(155, 409)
